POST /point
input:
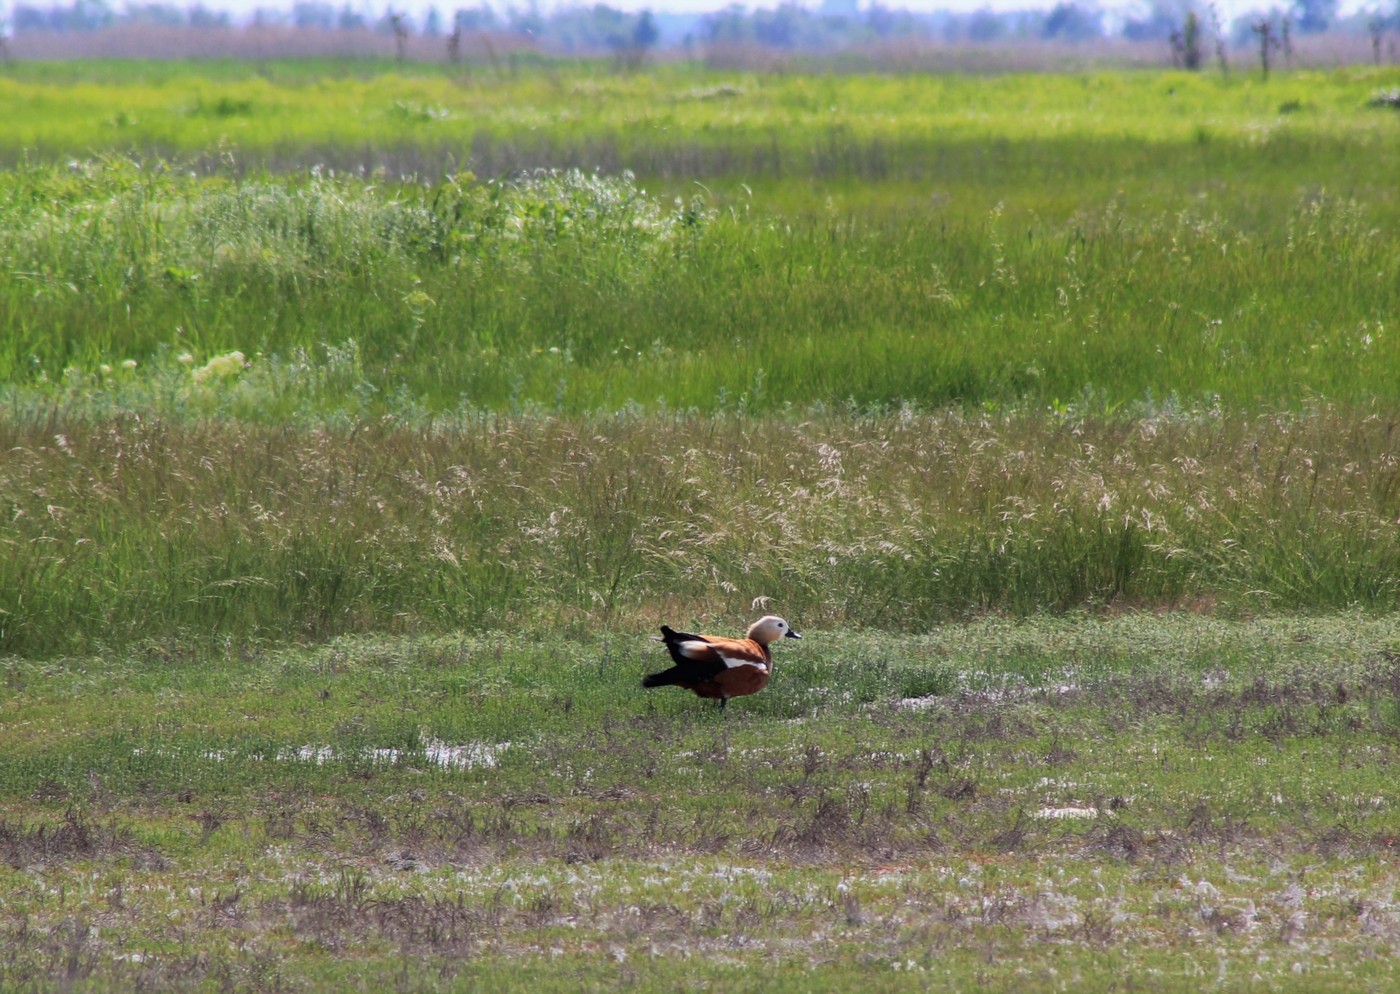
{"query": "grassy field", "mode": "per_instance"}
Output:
(686, 123)
(1115, 241)
(356, 430)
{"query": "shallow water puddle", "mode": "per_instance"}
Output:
(463, 756)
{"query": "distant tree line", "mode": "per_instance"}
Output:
(95, 15)
(788, 25)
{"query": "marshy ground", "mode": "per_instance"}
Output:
(1174, 800)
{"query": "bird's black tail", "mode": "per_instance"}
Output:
(666, 678)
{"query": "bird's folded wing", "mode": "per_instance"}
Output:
(730, 652)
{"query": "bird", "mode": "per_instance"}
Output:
(717, 667)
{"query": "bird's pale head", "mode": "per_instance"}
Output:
(770, 628)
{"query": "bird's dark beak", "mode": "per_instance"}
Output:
(791, 634)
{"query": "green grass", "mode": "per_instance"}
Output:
(1230, 783)
(576, 294)
(1113, 240)
(832, 125)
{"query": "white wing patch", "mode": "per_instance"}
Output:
(733, 661)
(694, 650)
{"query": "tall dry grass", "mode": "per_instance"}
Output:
(142, 529)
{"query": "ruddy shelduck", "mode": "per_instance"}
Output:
(718, 667)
